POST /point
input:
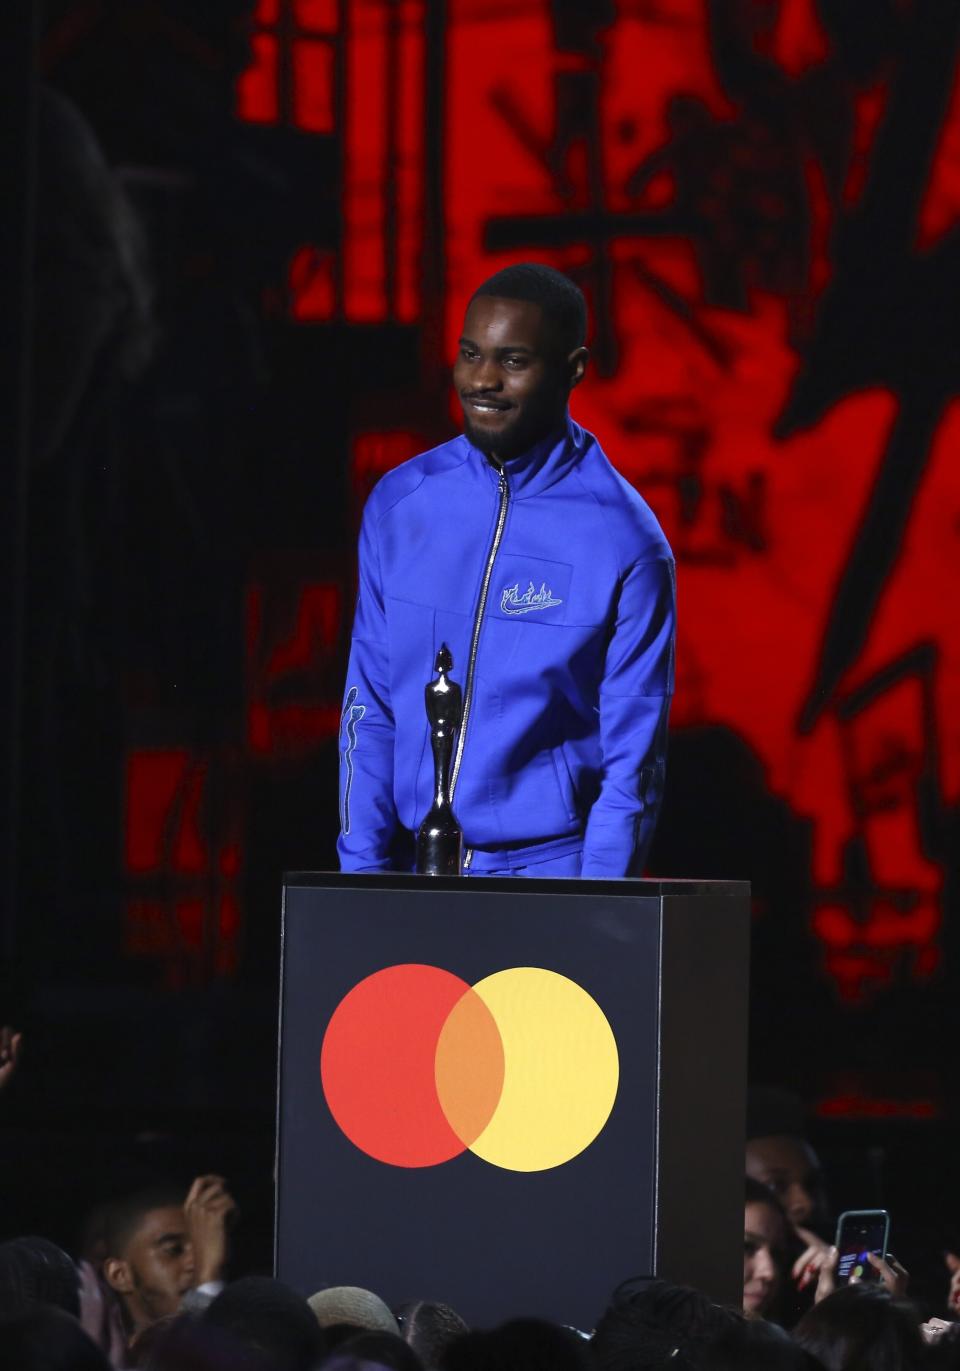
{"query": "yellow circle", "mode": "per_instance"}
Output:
(561, 1069)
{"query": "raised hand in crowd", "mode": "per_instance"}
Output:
(10, 1042)
(953, 1295)
(895, 1278)
(815, 1252)
(817, 1262)
(821, 1265)
(207, 1209)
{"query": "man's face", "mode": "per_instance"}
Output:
(790, 1168)
(511, 375)
(156, 1269)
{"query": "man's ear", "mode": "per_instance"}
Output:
(118, 1275)
(577, 365)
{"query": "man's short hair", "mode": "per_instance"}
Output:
(124, 1216)
(562, 302)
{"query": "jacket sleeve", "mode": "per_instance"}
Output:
(368, 817)
(635, 695)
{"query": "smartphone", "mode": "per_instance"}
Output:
(860, 1231)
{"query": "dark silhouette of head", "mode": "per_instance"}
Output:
(269, 1318)
(520, 1345)
(48, 1339)
(35, 1272)
(860, 1329)
(376, 1347)
(654, 1324)
(429, 1328)
(756, 1346)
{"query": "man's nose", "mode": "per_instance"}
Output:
(487, 376)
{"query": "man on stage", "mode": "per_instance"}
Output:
(519, 545)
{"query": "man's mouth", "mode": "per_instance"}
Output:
(482, 404)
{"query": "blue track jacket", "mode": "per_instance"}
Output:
(553, 586)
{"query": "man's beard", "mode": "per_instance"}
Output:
(516, 439)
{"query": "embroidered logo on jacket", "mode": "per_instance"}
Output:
(512, 602)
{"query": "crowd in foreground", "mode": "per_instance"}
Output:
(147, 1289)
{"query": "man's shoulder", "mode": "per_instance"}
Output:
(629, 518)
(409, 477)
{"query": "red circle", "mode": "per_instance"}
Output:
(378, 1064)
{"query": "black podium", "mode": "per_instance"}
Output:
(510, 1095)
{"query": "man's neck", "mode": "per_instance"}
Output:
(499, 460)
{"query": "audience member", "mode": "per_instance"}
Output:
(10, 1044)
(186, 1342)
(766, 1236)
(158, 1246)
(268, 1317)
(861, 1328)
(429, 1328)
(953, 1296)
(100, 1311)
(779, 1157)
(380, 1349)
(48, 1339)
(756, 1346)
(353, 1307)
(520, 1345)
(36, 1272)
(653, 1323)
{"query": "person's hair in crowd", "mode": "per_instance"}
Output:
(351, 1306)
(519, 1345)
(36, 1272)
(266, 1316)
(561, 301)
(654, 1323)
(380, 1349)
(429, 1327)
(186, 1343)
(756, 1346)
(858, 1328)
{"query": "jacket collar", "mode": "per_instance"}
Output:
(541, 465)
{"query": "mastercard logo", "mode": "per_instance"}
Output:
(418, 1067)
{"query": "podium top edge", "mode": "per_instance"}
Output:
(653, 887)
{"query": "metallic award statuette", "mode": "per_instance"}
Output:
(440, 837)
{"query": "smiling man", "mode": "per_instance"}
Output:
(521, 547)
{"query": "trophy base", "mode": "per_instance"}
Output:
(439, 852)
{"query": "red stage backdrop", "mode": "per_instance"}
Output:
(761, 203)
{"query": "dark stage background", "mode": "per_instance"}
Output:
(247, 235)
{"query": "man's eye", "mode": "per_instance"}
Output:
(514, 362)
(468, 354)
(750, 1249)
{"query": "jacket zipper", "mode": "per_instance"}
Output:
(477, 624)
